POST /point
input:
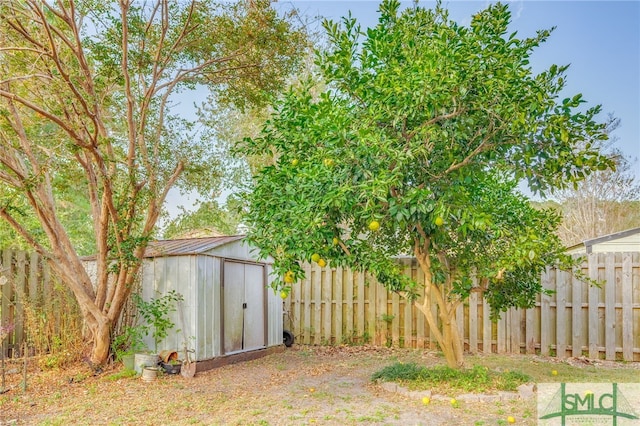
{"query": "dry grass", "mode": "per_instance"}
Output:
(301, 386)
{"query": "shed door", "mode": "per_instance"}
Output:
(244, 310)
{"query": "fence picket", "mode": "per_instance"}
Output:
(359, 277)
(529, 334)
(502, 333)
(487, 328)
(627, 308)
(349, 296)
(339, 300)
(306, 312)
(610, 307)
(561, 304)
(408, 316)
(316, 285)
(545, 314)
(576, 317)
(473, 323)
(594, 298)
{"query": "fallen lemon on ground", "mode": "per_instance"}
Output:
(374, 225)
(554, 373)
(454, 402)
(322, 263)
(315, 257)
(511, 419)
(426, 400)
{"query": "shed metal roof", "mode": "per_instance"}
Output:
(187, 246)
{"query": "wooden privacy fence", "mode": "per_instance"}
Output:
(41, 313)
(22, 275)
(335, 305)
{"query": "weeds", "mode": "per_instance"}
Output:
(124, 374)
(476, 379)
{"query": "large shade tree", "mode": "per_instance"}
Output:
(417, 147)
(88, 116)
(604, 202)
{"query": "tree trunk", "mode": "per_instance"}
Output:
(445, 333)
(452, 348)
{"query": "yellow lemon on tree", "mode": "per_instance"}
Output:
(511, 419)
(328, 162)
(322, 263)
(284, 294)
(426, 400)
(374, 225)
(288, 277)
(294, 162)
(439, 221)
(315, 257)
(335, 241)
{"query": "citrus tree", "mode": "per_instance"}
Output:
(91, 132)
(417, 146)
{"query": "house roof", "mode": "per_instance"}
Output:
(187, 246)
(588, 244)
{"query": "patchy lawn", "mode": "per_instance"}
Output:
(303, 385)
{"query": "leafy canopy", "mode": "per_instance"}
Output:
(426, 127)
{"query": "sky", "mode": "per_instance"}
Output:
(599, 39)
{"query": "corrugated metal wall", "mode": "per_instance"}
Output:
(197, 278)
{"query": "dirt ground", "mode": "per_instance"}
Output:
(301, 386)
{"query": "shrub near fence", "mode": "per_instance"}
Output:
(336, 305)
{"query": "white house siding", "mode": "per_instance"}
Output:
(610, 243)
(626, 244)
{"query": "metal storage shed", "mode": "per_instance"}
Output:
(228, 307)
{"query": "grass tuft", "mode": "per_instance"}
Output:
(476, 379)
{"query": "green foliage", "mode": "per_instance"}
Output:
(123, 374)
(156, 316)
(426, 127)
(208, 219)
(476, 379)
(130, 341)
